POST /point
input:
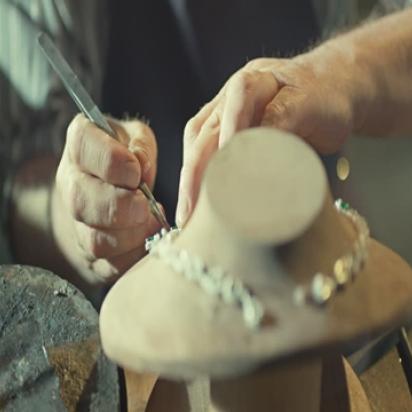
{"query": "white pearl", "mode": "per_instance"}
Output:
(322, 288)
(209, 285)
(227, 290)
(252, 312)
(299, 295)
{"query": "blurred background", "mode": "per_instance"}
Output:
(379, 185)
(376, 176)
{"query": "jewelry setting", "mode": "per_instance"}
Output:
(324, 286)
(216, 282)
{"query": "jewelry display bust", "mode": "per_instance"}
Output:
(266, 221)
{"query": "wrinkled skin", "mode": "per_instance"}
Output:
(299, 95)
(97, 188)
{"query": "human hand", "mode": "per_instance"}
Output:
(100, 218)
(311, 96)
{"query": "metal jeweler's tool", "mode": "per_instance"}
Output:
(89, 108)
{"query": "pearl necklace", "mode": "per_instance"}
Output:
(216, 282)
(213, 280)
(324, 286)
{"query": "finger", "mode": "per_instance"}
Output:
(194, 125)
(102, 205)
(110, 269)
(194, 166)
(309, 118)
(289, 111)
(107, 243)
(139, 138)
(96, 153)
(265, 63)
(247, 95)
(143, 145)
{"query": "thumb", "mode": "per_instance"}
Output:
(142, 143)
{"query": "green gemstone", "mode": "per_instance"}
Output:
(344, 205)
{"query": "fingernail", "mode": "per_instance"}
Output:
(182, 211)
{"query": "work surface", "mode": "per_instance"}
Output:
(50, 353)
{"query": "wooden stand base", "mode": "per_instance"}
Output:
(298, 388)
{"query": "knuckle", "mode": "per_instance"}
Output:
(190, 130)
(76, 200)
(111, 163)
(109, 211)
(242, 84)
(243, 79)
(108, 163)
(75, 138)
(105, 271)
(95, 243)
(256, 63)
(281, 109)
